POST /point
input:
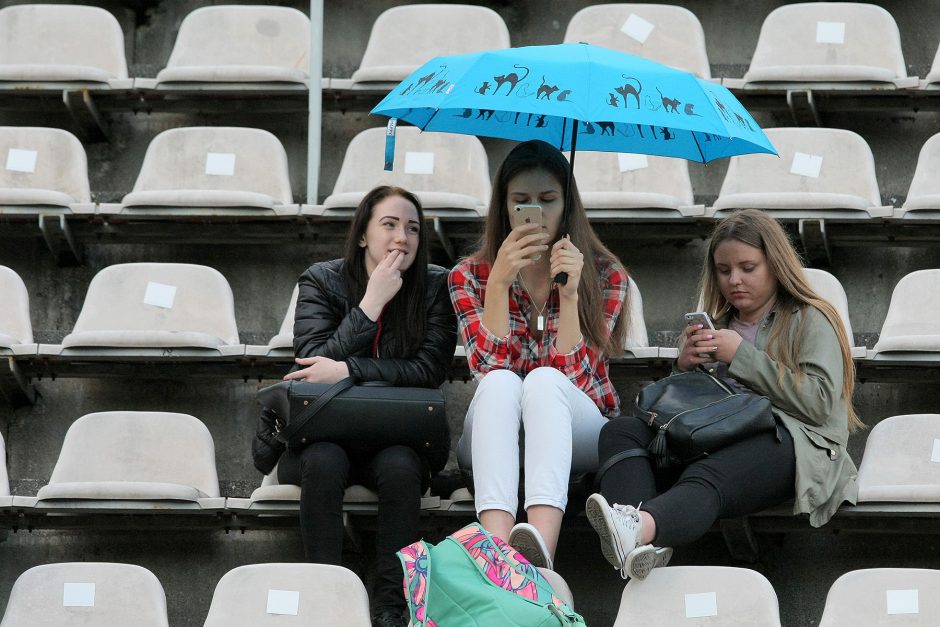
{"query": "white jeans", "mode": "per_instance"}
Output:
(560, 425)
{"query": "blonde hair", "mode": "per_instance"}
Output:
(755, 228)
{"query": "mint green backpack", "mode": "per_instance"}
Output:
(475, 579)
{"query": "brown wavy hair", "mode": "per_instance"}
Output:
(756, 228)
(539, 155)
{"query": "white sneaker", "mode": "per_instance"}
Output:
(618, 527)
(528, 541)
(643, 559)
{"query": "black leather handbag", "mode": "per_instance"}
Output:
(695, 414)
(364, 417)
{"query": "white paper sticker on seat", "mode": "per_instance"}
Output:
(419, 163)
(701, 605)
(220, 163)
(935, 455)
(283, 602)
(637, 28)
(160, 295)
(806, 165)
(78, 595)
(830, 32)
(629, 161)
(903, 602)
(21, 160)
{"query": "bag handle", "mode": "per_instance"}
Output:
(286, 434)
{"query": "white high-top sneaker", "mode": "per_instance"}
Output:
(619, 528)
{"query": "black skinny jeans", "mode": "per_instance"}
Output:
(323, 470)
(685, 502)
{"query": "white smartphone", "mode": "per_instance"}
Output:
(699, 317)
(526, 214)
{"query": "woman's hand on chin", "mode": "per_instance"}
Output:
(319, 370)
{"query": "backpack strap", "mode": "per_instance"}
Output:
(416, 562)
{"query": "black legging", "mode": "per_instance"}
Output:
(323, 470)
(685, 502)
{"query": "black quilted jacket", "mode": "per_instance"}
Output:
(327, 324)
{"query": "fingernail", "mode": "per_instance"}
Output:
(709, 337)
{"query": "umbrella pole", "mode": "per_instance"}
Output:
(562, 277)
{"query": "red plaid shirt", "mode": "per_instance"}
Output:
(519, 351)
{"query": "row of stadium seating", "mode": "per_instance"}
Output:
(828, 43)
(225, 171)
(285, 595)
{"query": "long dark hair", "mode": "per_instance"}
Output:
(404, 318)
(539, 155)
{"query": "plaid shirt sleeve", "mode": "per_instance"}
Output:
(485, 351)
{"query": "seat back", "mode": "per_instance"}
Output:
(86, 594)
(406, 37)
(637, 336)
(666, 34)
(282, 595)
(141, 447)
(883, 596)
(713, 595)
(830, 289)
(43, 166)
(15, 326)
(266, 36)
(911, 323)
(608, 180)
(828, 41)
(845, 177)
(4, 479)
(161, 298)
(924, 192)
(900, 460)
(60, 42)
(216, 159)
(436, 167)
(285, 336)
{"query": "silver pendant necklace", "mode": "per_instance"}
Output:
(540, 319)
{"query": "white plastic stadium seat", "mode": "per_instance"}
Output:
(283, 342)
(666, 34)
(923, 198)
(634, 186)
(16, 331)
(699, 595)
(820, 173)
(61, 43)
(828, 45)
(86, 594)
(156, 306)
(132, 460)
(911, 329)
(4, 480)
(898, 463)
(276, 595)
(902, 597)
(446, 171)
(932, 80)
(637, 342)
(273, 46)
(274, 497)
(207, 169)
(44, 168)
(404, 38)
(829, 288)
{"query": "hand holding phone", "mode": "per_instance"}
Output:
(699, 317)
(527, 214)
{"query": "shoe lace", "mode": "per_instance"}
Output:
(626, 515)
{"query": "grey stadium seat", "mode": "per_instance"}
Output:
(16, 331)
(5, 499)
(829, 288)
(911, 329)
(923, 197)
(900, 463)
(902, 597)
(932, 80)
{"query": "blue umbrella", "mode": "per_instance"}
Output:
(570, 93)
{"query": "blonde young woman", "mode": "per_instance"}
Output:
(775, 337)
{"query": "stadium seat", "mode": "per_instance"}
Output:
(637, 344)
(820, 173)
(273, 46)
(923, 197)
(900, 460)
(282, 344)
(5, 499)
(633, 187)
(129, 460)
(883, 596)
(699, 595)
(211, 171)
(911, 330)
(169, 311)
(86, 594)
(259, 595)
(52, 43)
(829, 287)
(449, 173)
(404, 38)
(46, 172)
(16, 331)
(932, 80)
(667, 34)
(828, 45)
(272, 497)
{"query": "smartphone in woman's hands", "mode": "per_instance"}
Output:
(699, 317)
(527, 214)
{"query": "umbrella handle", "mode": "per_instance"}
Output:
(562, 277)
